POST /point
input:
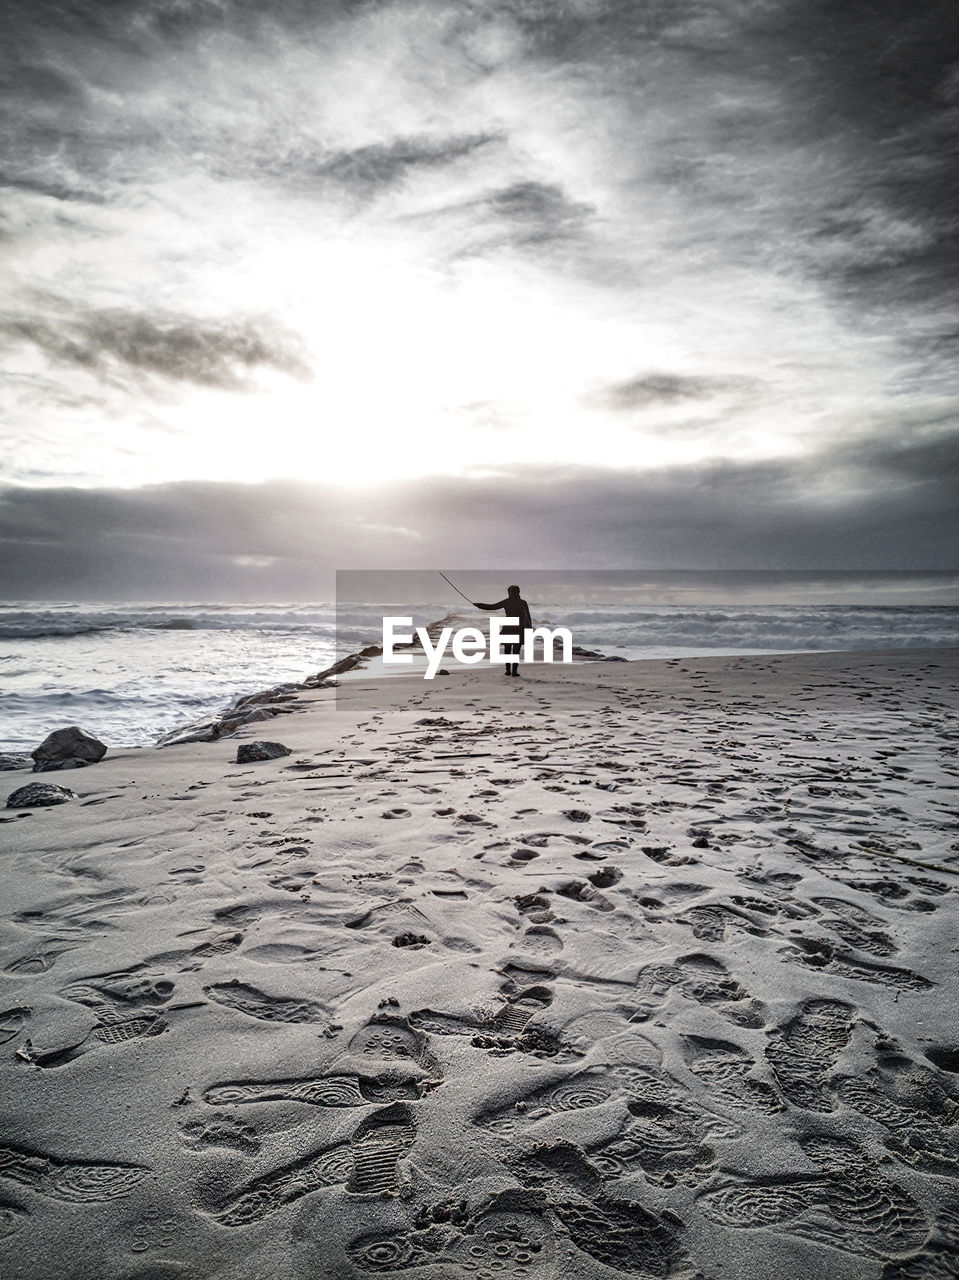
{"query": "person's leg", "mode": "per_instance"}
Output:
(514, 649)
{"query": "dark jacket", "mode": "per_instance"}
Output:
(514, 607)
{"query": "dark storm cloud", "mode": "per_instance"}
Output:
(371, 169)
(522, 215)
(654, 389)
(115, 344)
(537, 212)
(281, 539)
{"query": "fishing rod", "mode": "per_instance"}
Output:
(454, 586)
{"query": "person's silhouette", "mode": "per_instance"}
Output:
(515, 607)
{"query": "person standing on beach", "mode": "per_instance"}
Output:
(514, 606)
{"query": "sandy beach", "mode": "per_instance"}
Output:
(640, 969)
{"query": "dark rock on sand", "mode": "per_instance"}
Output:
(254, 716)
(203, 731)
(14, 760)
(279, 693)
(344, 664)
(594, 655)
(36, 795)
(250, 752)
(67, 749)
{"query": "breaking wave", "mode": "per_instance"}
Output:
(79, 620)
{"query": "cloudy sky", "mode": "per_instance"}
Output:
(296, 284)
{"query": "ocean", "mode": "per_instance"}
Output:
(128, 674)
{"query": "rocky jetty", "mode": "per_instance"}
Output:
(254, 708)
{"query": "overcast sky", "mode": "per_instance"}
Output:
(293, 284)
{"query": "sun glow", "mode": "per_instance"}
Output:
(424, 371)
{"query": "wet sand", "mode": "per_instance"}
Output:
(617, 969)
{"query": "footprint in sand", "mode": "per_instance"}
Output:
(535, 907)
(85, 913)
(76, 1181)
(667, 1146)
(618, 1233)
(728, 1071)
(805, 1049)
(587, 1089)
(856, 926)
(509, 1236)
(895, 894)
(389, 915)
(264, 1195)
(243, 998)
(42, 959)
(666, 1138)
(292, 882)
(580, 891)
(706, 980)
(539, 940)
(12, 1022)
(389, 1039)
(126, 1006)
(817, 953)
(848, 1205)
(220, 945)
(380, 1142)
(121, 991)
(322, 1091)
(937, 1261)
(916, 1106)
(712, 921)
(944, 1056)
(506, 1031)
(221, 1131)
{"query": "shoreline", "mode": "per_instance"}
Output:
(139, 684)
(359, 665)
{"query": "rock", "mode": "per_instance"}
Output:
(14, 760)
(67, 749)
(250, 752)
(279, 693)
(345, 664)
(258, 713)
(50, 766)
(35, 795)
(205, 731)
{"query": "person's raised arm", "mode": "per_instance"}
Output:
(500, 604)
